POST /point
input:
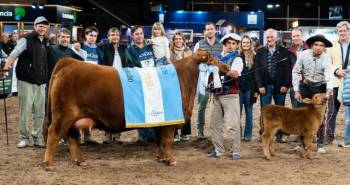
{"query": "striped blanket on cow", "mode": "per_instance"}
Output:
(152, 96)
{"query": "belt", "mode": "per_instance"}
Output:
(313, 84)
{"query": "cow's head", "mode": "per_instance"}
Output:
(202, 56)
(317, 99)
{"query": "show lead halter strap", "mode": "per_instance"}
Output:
(203, 68)
(204, 73)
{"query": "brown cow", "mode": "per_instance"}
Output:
(83, 95)
(305, 121)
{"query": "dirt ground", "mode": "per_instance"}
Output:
(133, 163)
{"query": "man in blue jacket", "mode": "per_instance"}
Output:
(139, 54)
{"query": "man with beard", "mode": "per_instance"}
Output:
(56, 52)
(31, 71)
(212, 45)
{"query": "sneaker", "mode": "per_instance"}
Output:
(39, 144)
(214, 154)
(321, 150)
(22, 144)
(184, 138)
(200, 135)
(236, 155)
(177, 138)
(345, 145)
(62, 142)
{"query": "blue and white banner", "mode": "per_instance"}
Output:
(152, 96)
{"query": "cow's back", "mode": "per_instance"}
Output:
(83, 90)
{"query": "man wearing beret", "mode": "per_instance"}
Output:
(313, 74)
(32, 74)
(225, 104)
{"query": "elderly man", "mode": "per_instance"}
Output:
(225, 105)
(340, 59)
(298, 45)
(32, 73)
(312, 74)
(7, 46)
(273, 72)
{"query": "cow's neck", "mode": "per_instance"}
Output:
(188, 72)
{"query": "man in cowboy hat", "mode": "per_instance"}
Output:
(225, 104)
(316, 68)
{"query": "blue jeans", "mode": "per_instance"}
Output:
(266, 99)
(347, 125)
(244, 100)
(292, 98)
(147, 135)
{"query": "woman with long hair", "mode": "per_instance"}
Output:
(248, 93)
(178, 51)
(178, 47)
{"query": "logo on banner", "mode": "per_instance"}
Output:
(19, 13)
(70, 16)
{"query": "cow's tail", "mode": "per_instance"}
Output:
(261, 130)
(48, 116)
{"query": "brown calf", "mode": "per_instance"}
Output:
(304, 121)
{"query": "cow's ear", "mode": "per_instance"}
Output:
(307, 100)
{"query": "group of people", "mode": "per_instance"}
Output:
(305, 68)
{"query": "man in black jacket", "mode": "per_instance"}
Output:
(31, 72)
(113, 51)
(56, 52)
(113, 55)
(273, 72)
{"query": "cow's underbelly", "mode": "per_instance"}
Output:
(84, 124)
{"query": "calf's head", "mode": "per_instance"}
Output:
(317, 99)
(205, 57)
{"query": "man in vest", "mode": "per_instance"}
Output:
(211, 44)
(32, 72)
(273, 74)
(340, 59)
(225, 105)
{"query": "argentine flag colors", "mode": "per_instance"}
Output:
(152, 96)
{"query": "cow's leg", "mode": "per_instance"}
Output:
(266, 143)
(167, 140)
(273, 133)
(159, 150)
(308, 145)
(73, 136)
(51, 145)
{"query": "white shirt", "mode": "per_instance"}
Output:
(117, 62)
(160, 47)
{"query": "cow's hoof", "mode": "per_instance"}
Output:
(46, 166)
(172, 163)
(268, 158)
(160, 160)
